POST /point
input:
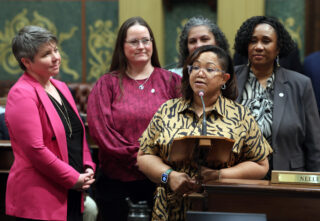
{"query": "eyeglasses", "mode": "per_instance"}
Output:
(193, 69)
(136, 42)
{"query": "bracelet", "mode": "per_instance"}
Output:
(219, 174)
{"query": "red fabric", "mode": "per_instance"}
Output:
(40, 175)
(116, 123)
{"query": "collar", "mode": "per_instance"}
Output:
(252, 78)
(219, 107)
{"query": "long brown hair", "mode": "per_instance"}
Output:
(119, 61)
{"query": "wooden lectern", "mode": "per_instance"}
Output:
(209, 151)
(217, 149)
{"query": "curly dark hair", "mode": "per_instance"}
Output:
(244, 35)
(220, 38)
(225, 60)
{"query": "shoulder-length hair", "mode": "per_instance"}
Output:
(225, 61)
(284, 41)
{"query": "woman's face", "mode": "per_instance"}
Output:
(263, 48)
(138, 45)
(199, 36)
(46, 62)
(207, 75)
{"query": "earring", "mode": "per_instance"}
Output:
(223, 87)
(248, 64)
(277, 61)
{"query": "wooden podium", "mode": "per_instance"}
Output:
(278, 201)
(186, 149)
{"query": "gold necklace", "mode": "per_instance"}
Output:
(66, 117)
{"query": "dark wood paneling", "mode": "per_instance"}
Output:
(312, 14)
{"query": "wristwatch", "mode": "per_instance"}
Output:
(165, 176)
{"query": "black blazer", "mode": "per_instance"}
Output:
(296, 123)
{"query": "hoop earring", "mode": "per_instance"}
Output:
(223, 87)
(248, 64)
(277, 61)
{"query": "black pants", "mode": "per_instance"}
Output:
(111, 195)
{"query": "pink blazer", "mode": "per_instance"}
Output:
(40, 176)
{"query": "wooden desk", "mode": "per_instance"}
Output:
(6, 156)
(6, 160)
(277, 201)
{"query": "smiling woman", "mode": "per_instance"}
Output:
(52, 158)
(119, 109)
(198, 31)
(282, 101)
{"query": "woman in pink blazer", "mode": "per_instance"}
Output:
(52, 163)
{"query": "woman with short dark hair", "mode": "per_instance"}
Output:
(52, 165)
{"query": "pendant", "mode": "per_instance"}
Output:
(141, 87)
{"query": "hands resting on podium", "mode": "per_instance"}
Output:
(182, 184)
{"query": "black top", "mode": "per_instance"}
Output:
(74, 143)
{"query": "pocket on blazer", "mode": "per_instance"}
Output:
(297, 163)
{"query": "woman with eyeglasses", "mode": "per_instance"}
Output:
(120, 108)
(208, 70)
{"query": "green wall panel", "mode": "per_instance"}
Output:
(101, 28)
(292, 14)
(62, 18)
(175, 20)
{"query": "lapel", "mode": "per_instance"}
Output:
(279, 101)
(53, 116)
(67, 94)
(242, 76)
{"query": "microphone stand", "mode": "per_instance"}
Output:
(203, 145)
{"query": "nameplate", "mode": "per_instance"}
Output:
(294, 177)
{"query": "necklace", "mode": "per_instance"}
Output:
(65, 116)
(141, 86)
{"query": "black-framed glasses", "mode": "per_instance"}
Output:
(136, 42)
(193, 69)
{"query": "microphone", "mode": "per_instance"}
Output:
(204, 121)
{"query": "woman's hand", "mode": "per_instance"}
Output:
(182, 184)
(90, 171)
(209, 174)
(84, 181)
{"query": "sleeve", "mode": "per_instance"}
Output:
(149, 140)
(87, 159)
(101, 125)
(312, 133)
(175, 86)
(256, 147)
(25, 128)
